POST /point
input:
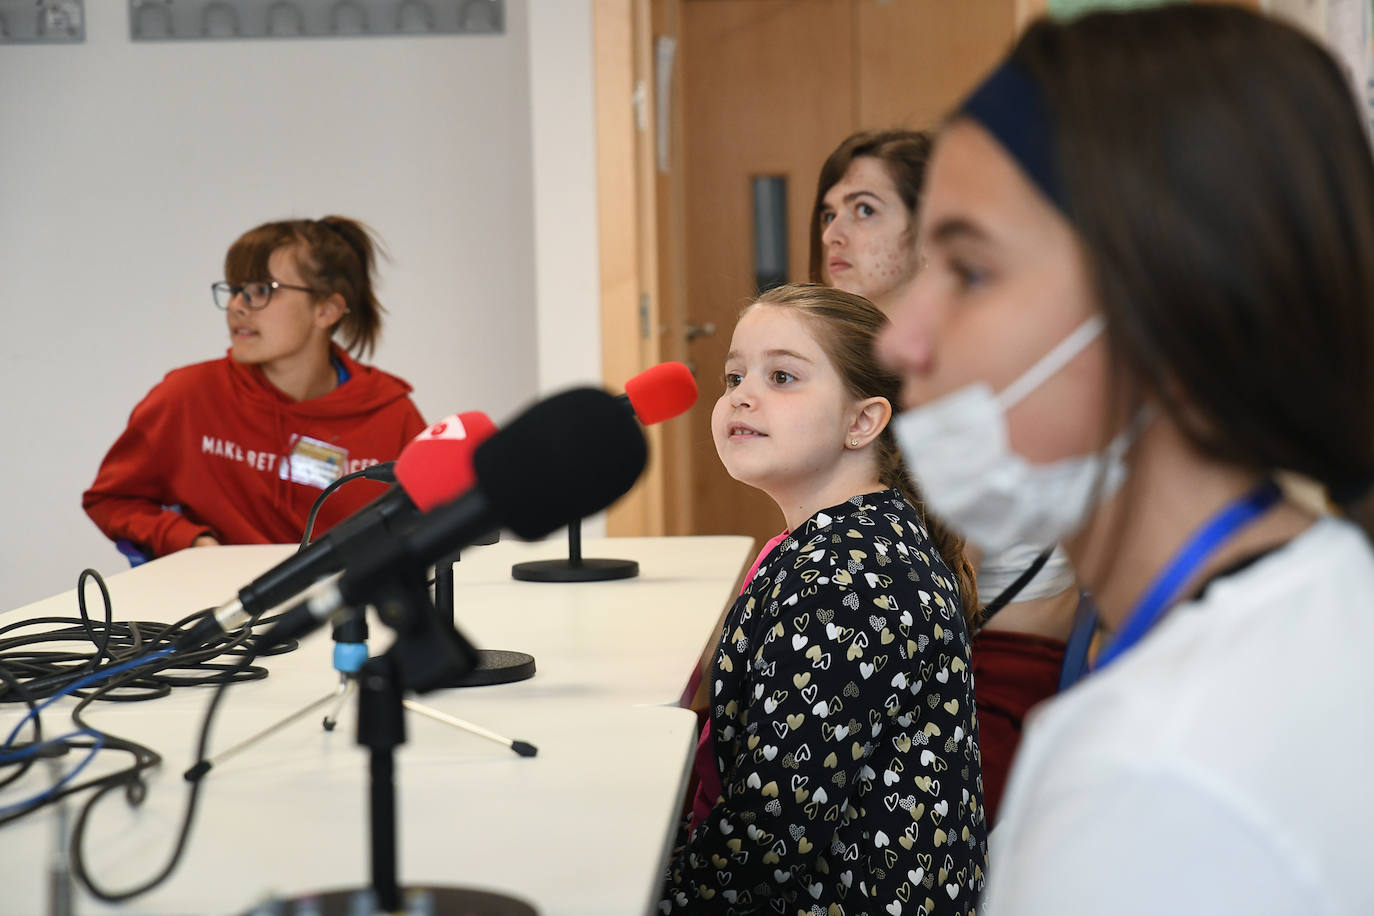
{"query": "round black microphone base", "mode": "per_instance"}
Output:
(566, 570)
(417, 901)
(496, 666)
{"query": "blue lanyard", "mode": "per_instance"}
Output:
(1075, 664)
(1162, 592)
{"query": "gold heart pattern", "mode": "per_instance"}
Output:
(841, 669)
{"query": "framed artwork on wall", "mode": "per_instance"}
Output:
(44, 21)
(214, 20)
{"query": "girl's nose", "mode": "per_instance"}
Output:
(832, 234)
(741, 395)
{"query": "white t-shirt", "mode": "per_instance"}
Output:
(1223, 765)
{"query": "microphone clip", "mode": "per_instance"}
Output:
(428, 652)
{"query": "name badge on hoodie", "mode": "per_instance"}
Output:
(313, 462)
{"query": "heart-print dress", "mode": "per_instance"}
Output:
(843, 719)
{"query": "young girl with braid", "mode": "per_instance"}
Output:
(842, 735)
(241, 446)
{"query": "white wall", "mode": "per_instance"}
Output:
(126, 170)
(567, 279)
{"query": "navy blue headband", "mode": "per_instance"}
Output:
(1010, 105)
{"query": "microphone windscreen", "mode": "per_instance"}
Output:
(661, 392)
(436, 466)
(567, 457)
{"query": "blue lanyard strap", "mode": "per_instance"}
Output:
(1075, 664)
(1164, 590)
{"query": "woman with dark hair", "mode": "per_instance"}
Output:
(863, 240)
(236, 450)
(1149, 292)
(863, 221)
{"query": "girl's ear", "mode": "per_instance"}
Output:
(330, 310)
(870, 419)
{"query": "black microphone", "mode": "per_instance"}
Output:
(433, 468)
(566, 457)
(658, 393)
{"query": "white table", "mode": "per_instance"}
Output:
(583, 827)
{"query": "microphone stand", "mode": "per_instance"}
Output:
(485, 666)
(574, 568)
(348, 686)
(494, 666)
(428, 651)
(350, 652)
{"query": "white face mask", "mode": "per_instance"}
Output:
(958, 451)
(999, 571)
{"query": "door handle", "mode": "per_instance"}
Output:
(705, 329)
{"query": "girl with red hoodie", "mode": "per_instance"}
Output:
(235, 450)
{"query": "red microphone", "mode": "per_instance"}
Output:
(661, 392)
(436, 466)
(658, 393)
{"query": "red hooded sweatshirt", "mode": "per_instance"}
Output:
(241, 460)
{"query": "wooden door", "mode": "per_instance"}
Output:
(769, 88)
(918, 58)
(767, 91)
(639, 241)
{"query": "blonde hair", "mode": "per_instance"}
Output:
(846, 327)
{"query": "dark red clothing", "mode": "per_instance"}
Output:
(1011, 673)
(242, 460)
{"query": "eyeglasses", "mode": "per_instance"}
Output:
(255, 295)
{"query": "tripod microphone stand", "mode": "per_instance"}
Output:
(427, 653)
(345, 655)
(486, 666)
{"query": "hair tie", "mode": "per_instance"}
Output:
(1012, 107)
(334, 229)
(352, 246)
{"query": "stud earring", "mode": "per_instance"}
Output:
(853, 443)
